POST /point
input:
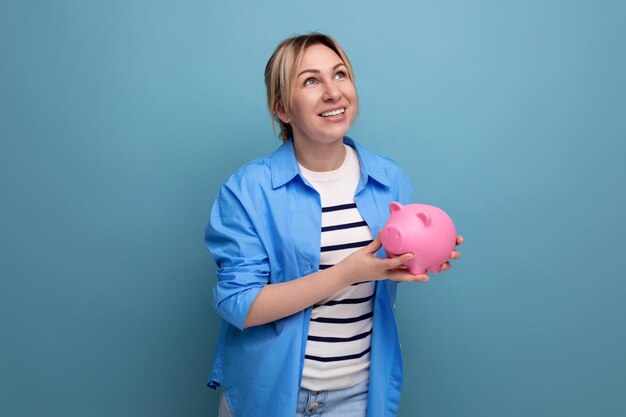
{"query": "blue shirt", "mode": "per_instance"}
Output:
(265, 228)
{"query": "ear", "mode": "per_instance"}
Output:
(281, 113)
(425, 218)
(395, 206)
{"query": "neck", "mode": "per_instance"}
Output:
(321, 157)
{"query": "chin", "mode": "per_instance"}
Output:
(335, 137)
(337, 133)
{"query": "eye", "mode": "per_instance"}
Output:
(310, 81)
(340, 75)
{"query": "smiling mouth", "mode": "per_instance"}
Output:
(337, 112)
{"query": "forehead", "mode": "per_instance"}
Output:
(318, 56)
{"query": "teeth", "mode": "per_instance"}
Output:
(333, 113)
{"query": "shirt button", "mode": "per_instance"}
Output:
(313, 407)
(394, 306)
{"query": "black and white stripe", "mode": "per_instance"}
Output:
(340, 329)
(341, 326)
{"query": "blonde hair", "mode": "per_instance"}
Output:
(280, 72)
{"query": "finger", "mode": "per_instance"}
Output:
(392, 263)
(446, 266)
(402, 267)
(374, 245)
(401, 276)
(455, 254)
(459, 239)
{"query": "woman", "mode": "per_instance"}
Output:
(307, 306)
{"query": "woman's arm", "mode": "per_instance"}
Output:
(276, 301)
(243, 296)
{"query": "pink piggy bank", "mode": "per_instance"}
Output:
(425, 231)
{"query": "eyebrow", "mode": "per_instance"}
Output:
(318, 71)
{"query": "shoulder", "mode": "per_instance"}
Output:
(254, 173)
(245, 186)
(390, 166)
(386, 172)
(379, 165)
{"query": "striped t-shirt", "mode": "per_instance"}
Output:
(338, 345)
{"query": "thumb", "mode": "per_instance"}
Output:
(375, 244)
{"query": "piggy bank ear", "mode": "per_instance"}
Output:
(425, 218)
(394, 206)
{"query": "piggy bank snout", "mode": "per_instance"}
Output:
(391, 239)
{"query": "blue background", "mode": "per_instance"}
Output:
(120, 119)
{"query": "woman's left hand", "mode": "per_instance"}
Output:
(454, 255)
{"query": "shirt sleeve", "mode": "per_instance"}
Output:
(240, 256)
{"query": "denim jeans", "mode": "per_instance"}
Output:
(347, 402)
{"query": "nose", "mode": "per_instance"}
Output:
(331, 93)
(391, 239)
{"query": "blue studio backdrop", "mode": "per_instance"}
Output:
(120, 119)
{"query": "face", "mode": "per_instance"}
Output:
(324, 101)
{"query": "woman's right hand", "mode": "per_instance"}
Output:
(283, 299)
(363, 265)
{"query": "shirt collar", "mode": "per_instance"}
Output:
(284, 165)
